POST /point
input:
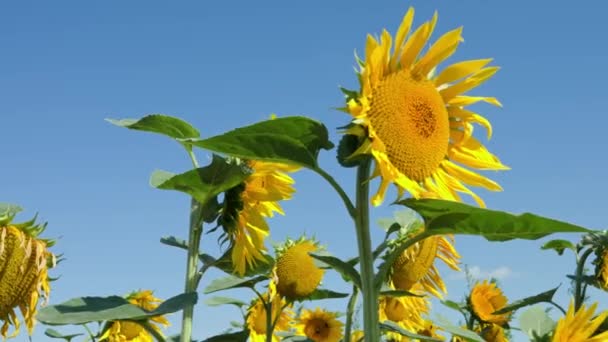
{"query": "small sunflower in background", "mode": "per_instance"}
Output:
(296, 272)
(485, 299)
(492, 333)
(580, 326)
(247, 206)
(414, 122)
(281, 313)
(131, 331)
(406, 311)
(24, 264)
(319, 325)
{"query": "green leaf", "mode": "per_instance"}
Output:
(203, 183)
(393, 327)
(94, 309)
(162, 124)
(448, 217)
(559, 246)
(296, 338)
(7, 209)
(231, 282)
(399, 293)
(217, 301)
(174, 242)
(452, 305)
(224, 263)
(345, 269)
(291, 140)
(320, 294)
(544, 297)
(56, 334)
(536, 321)
(240, 336)
(445, 325)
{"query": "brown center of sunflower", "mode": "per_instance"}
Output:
(410, 118)
(317, 329)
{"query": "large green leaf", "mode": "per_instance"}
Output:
(342, 267)
(240, 336)
(320, 294)
(203, 183)
(393, 327)
(536, 322)
(448, 217)
(544, 297)
(291, 140)
(559, 246)
(161, 124)
(231, 282)
(94, 309)
(445, 325)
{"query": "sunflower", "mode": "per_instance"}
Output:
(247, 205)
(357, 336)
(256, 317)
(406, 311)
(492, 333)
(132, 331)
(296, 273)
(485, 299)
(414, 122)
(579, 326)
(319, 325)
(24, 263)
(601, 268)
(416, 265)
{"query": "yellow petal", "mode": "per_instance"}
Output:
(443, 48)
(469, 177)
(459, 70)
(416, 42)
(473, 154)
(402, 32)
(469, 116)
(461, 101)
(468, 83)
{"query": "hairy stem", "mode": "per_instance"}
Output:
(350, 310)
(578, 282)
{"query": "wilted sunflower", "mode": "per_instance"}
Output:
(24, 263)
(246, 207)
(579, 326)
(256, 317)
(319, 325)
(414, 122)
(297, 275)
(416, 265)
(485, 299)
(131, 331)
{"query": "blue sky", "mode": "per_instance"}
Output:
(65, 66)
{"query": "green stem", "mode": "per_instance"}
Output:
(558, 306)
(580, 267)
(349, 313)
(366, 258)
(347, 202)
(269, 325)
(194, 240)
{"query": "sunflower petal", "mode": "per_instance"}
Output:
(468, 116)
(416, 42)
(469, 177)
(443, 48)
(402, 32)
(468, 83)
(459, 70)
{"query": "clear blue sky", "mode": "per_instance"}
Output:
(67, 65)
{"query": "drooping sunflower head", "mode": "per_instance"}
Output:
(417, 265)
(24, 264)
(247, 206)
(256, 316)
(580, 326)
(415, 123)
(319, 325)
(485, 299)
(132, 331)
(297, 275)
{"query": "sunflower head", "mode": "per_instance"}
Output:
(492, 333)
(256, 316)
(417, 265)
(246, 207)
(406, 311)
(580, 325)
(297, 275)
(414, 121)
(485, 299)
(131, 331)
(319, 325)
(24, 264)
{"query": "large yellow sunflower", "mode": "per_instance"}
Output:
(579, 326)
(416, 125)
(131, 331)
(247, 206)
(485, 299)
(319, 325)
(297, 275)
(24, 263)
(256, 317)
(416, 265)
